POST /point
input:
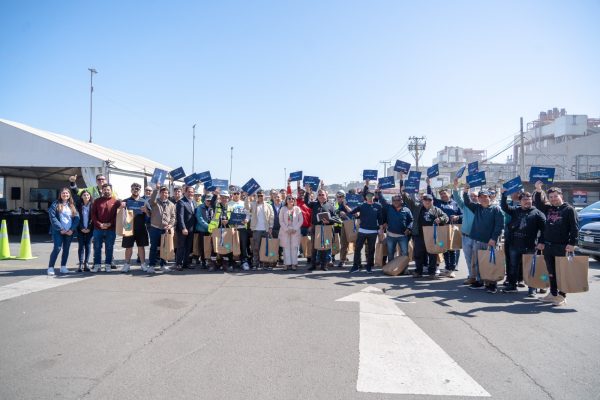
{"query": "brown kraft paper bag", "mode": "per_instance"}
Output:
(335, 248)
(455, 237)
(380, 253)
(167, 248)
(572, 273)
(269, 250)
(436, 238)
(207, 247)
(397, 266)
(124, 222)
(223, 240)
(350, 227)
(535, 272)
(323, 237)
(196, 245)
(306, 243)
(491, 264)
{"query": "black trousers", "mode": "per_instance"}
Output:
(371, 239)
(550, 252)
(184, 248)
(422, 257)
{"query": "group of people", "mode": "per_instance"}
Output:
(528, 223)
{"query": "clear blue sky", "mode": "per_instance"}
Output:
(327, 87)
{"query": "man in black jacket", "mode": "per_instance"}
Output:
(526, 223)
(185, 221)
(321, 205)
(560, 235)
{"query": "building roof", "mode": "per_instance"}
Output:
(25, 146)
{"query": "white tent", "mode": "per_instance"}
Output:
(34, 158)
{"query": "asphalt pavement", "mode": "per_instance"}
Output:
(277, 335)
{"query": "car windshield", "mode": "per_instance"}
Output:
(592, 208)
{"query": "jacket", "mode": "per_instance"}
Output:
(434, 213)
(185, 215)
(450, 208)
(163, 213)
(316, 207)
(561, 222)
(104, 210)
(371, 215)
(398, 221)
(467, 217)
(55, 219)
(204, 215)
(269, 215)
(524, 226)
(487, 223)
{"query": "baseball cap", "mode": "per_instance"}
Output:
(427, 196)
(225, 193)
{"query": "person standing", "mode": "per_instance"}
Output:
(290, 221)
(485, 231)
(319, 206)
(560, 235)
(237, 206)
(467, 223)
(277, 205)
(184, 229)
(95, 191)
(64, 220)
(338, 227)
(162, 219)
(526, 224)
(398, 221)
(104, 217)
(262, 219)
(204, 214)
(83, 204)
(136, 204)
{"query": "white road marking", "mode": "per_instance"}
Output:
(36, 284)
(396, 356)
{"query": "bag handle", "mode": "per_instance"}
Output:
(492, 255)
(533, 265)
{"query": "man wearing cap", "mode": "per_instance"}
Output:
(184, 228)
(204, 214)
(136, 204)
(427, 215)
(398, 221)
(221, 220)
(162, 219)
(340, 208)
(95, 191)
(262, 219)
(526, 224)
(321, 205)
(371, 224)
(237, 206)
(487, 227)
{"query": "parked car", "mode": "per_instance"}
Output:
(589, 240)
(589, 214)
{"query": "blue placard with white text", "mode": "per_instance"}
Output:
(370, 174)
(312, 181)
(544, 174)
(251, 186)
(414, 175)
(191, 180)
(513, 186)
(236, 218)
(204, 177)
(222, 184)
(177, 174)
(296, 176)
(402, 166)
(135, 206)
(158, 176)
(476, 179)
(387, 182)
(473, 167)
(433, 171)
(354, 200)
(460, 172)
(411, 186)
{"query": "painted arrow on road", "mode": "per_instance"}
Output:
(396, 356)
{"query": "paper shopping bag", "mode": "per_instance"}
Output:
(167, 248)
(380, 253)
(397, 266)
(491, 264)
(222, 239)
(436, 238)
(269, 250)
(207, 247)
(455, 237)
(351, 229)
(535, 273)
(306, 243)
(572, 273)
(124, 222)
(323, 237)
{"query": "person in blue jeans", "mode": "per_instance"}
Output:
(104, 217)
(398, 221)
(64, 220)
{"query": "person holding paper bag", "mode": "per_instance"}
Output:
(262, 218)
(221, 220)
(238, 206)
(485, 231)
(320, 206)
(560, 235)
(204, 214)
(140, 233)
(104, 216)
(526, 223)
(162, 219)
(398, 221)
(184, 228)
(290, 221)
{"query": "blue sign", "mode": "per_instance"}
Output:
(354, 200)
(204, 177)
(473, 167)
(177, 174)
(387, 182)
(476, 179)
(312, 181)
(296, 176)
(460, 172)
(237, 218)
(513, 186)
(414, 175)
(213, 184)
(251, 186)
(135, 206)
(370, 174)
(158, 176)
(580, 197)
(402, 166)
(433, 171)
(191, 180)
(544, 174)
(411, 186)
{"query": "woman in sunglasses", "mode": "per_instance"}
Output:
(290, 220)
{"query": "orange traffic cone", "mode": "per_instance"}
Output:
(25, 249)
(4, 247)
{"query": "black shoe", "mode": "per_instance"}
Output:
(417, 275)
(542, 291)
(113, 266)
(521, 284)
(324, 268)
(433, 277)
(311, 268)
(179, 268)
(86, 268)
(510, 289)
(369, 270)
(477, 285)
(190, 266)
(491, 289)
(353, 269)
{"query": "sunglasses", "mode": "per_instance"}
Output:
(100, 179)
(135, 189)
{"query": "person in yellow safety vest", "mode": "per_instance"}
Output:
(221, 220)
(95, 191)
(340, 200)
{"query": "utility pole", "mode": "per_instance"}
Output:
(522, 152)
(92, 72)
(285, 177)
(193, 147)
(416, 145)
(231, 165)
(385, 163)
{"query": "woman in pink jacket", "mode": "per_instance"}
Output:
(290, 219)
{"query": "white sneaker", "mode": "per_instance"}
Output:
(125, 269)
(51, 271)
(144, 267)
(245, 266)
(559, 301)
(166, 268)
(106, 267)
(96, 268)
(549, 298)
(64, 270)
(149, 269)
(450, 274)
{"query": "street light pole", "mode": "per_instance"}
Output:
(231, 165)
(92, 72)
(193, 147)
